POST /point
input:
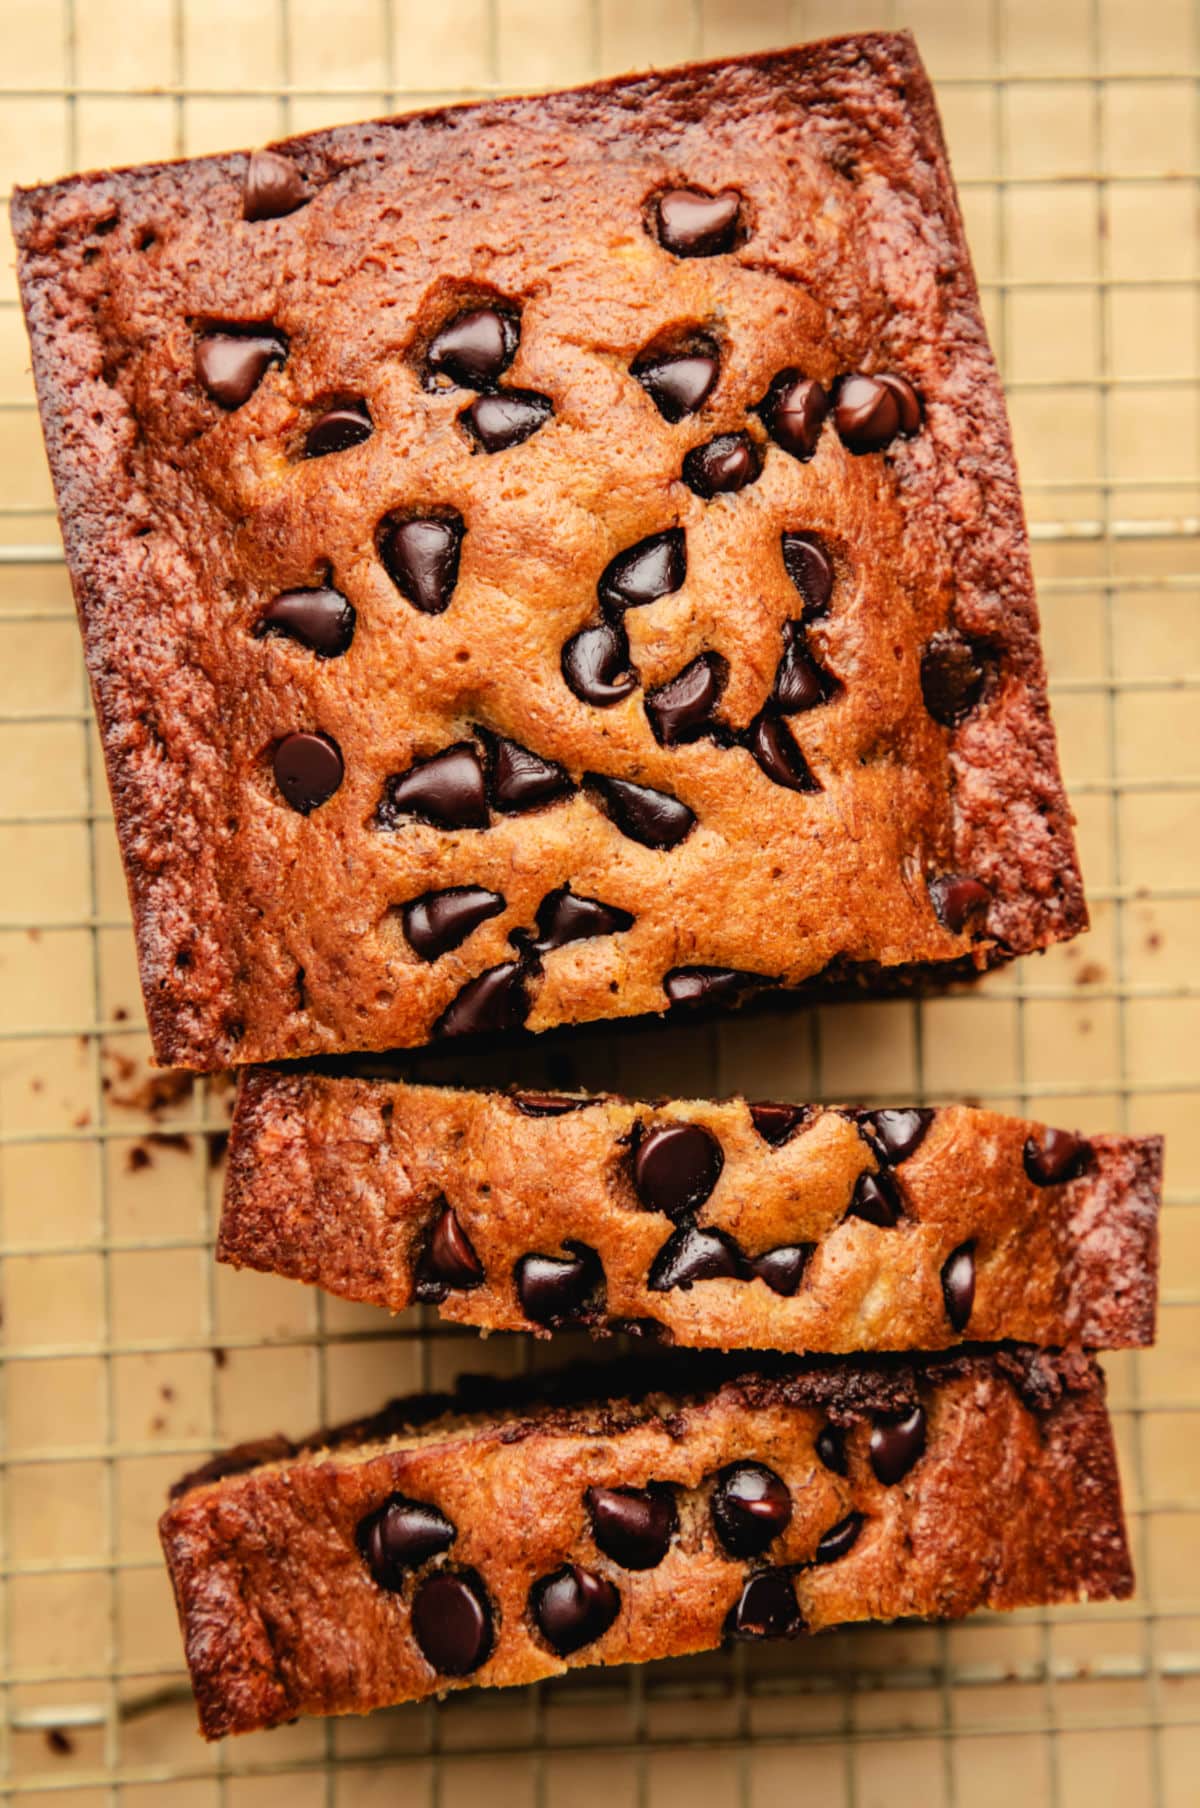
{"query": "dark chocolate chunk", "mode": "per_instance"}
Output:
(321, 620)
(559, 1290)
(595, 664)
(676, 1167)
(447, 790)
(401, 1536)
(751, 1506)
(633, 1526)
(449, 1262)
(896, 1133)
(869, 412)
(693, 1255)
(951, 677)
(308, 769)
(693, 224)
(725, 464)
(654, 818)
(961, 903)
(496, 1000)
(831, 1448)
(546, 1104)
(776, 1124)
(877, 1199)
(651, 568)
(810, 568)
(507, 418)
(783, 1268)
(272, 187)
(522, 780)
(338, 429)
(839, 1539)
(800, 683)
(897, 1440)
(708, 985)
(958, 1285)
(793, 412)
(679, 383)
(767, 1607)
(232, 365)
(421, 558)
(682, 708)
(573, 1607)
(564, 917)
(438, 921)
(771, 743)
(452, 1621)
(476, 348)
(1054, 1156)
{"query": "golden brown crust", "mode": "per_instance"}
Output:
(265, 933)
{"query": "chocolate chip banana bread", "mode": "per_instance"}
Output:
(736, 1226)
(548, 560)
(505, 1546)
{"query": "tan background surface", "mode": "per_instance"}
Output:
(1074, 128)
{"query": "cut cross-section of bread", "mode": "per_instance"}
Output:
(726, 1224)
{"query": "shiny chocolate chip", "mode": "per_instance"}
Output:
(650, 569)
(793, 412)
(686, 986)
(448, 1263)
(446, 790)
(452, 1621)
(563, 917)
(751, 1506)
(958, 1285)
(231, 366)
(679, 383)
(676, 1167)
(573, 1607)
(693, 224)
(438, 921)
(272, 187)
(683, 708)
(506, 419)
(595, 664)
(474, 349)
(839, 1539)
(320, 619)
(308, 769)
(497, 1000)
(877, 1199)
(951, 677)
(767, 1607)
(421, 558)
(522, 780)
(559, 1290)
(961, 903)
(777, 1123)
(897, 1440)
(725, 464)
(810, 568)
(783, 1268)
(401, 1536)
(869, 412)
(831, 1448)
(546, 1104)
(896, 1133)
(693, 1255)
(652, 817)
(633, 1526)
(800, 683)
(338, 429)
(1054, 1156)
(771, 743)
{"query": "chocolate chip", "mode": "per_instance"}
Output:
(573, 1607)
(771, 743)
(793, 412)
(272, 187)
(564, 917)
(868, 412)
(438, 921)
(559, 1290)
(1054, 1156)
(447, 790)
(800, 683)
(676, 1167)
(654, 818)
(476, 348)
(767, 1607)
(693, 1255)
(895, 1134)
(958, 1285)
(320, 619)
(897, 1440)
(232, 365)
(507, 418)
(951, 677)
(522, 780)
(448, 1261)
(811, 570)
(877, 1199)
(308, 769)
(421, 558)
(961, 903)
(338, 429)
(496, 1000)
(401, 1536)
(693, 224)
(725, 464)
(652, 568)
(595, 664)
(708, 985)
(777, 1123)
(682, 708)
(751, 1506)
(546, 1104)
(839, 1539)
(452, 1622)
(831, 1448)
(678, 384)
(633, 1526)
(783, 1268)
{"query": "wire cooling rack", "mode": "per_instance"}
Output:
(1075, 130)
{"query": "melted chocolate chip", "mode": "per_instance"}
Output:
(449, 1262)
(272, 187)
(1054, 1156)
(421, 558)
(793, 412)
(401, 1536)
(783, 1268)
(811, 570)
(679, 383)
(777, 754)
(595, 664)
(676, 1167)
(877, 1199)
(232, 365)
(573, 1607)
(452, 1621)
(546, 1104)
(693, 1255)
(831, 1448)
(652, 568)
(654, 818)
(958, 1285)
(767, 1608)
(951, 677)
(633, 1526)
(708, 985)
(897, 1440)
(895, 1134)
(725, 464)
(507, 418)
(559, 1290)
(522, 780)
(839, 1539)
(564, 917)
(961, 903)
(800, 683)
(447, 790)
(476, 348)
(870, 411)
(751, 1506)
(308, 769)
(693, 224)
(497, 1000)
(321, 620)
(682, 709)
(777, 1123)
(438, 921)
(338, 429)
